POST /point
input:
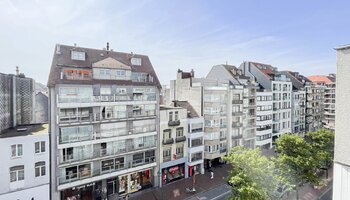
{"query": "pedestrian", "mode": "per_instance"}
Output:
(127, 196)
(212, 175)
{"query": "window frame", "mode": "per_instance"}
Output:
(41, 167)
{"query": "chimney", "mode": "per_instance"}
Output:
(75, 44)
(17, 71)
(192, 73)
(107, 47)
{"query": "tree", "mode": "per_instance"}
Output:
(322, 143)
(296, 162)
(252, 175)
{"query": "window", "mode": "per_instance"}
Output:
(40, 147)
(17, 173)
(105, 72)
(105, 90)
(136, 61)
(40, 169)
(170, 116)
(120, 72)
(179, 132)
(16, 150)
(167, 134)
(176, 115)
(78, 55)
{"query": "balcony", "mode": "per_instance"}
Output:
(168, 141)
(240, 113)
(100, 153)
(223, 150)
(166, 158)
(222, 138)
(196, 158)
(88, 173)
(179, 155)
(237, 101)
(180, 139)
(236, 136)
(103, 98)
(174, 123)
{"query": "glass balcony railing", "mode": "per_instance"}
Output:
(103, 98)
(88, 173)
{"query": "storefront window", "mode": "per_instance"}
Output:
(173, 173)
(123, 184)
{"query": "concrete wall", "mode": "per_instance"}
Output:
(41, 108)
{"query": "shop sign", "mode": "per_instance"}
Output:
(83, 186)
(173, 169)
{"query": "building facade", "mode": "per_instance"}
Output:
(17, 100)
(264, 119)
(329, 98)
(25, 163)
(270, 80)
(104, 123)
(314, 106)
(341, 186)
(173, 148)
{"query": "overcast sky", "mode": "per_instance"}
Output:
(299, 36)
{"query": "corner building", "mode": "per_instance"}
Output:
(104, 119)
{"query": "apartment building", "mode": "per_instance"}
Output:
(341, 186)
(270, 80)
(314, 106)
(195, 139)
(173, 148)
(104, 123)
(263, 119)
(24, 168)
(17, 100)
(298, 102)
(241, 104)
(329, 98)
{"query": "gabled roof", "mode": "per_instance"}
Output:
(111, 63)
(268, 69)
(62, 58)
(298, 80)
(321, 79)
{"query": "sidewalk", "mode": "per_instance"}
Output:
(308, 192)
(177, 190)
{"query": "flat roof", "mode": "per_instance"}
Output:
(346, 46)
(24, 130)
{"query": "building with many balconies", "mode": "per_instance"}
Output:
(298, 102)
(104, 123)
(329, 98)
(270, 80)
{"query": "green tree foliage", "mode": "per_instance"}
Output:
(252, 174)
(322, 144)
(296, 161)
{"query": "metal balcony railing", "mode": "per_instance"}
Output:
(174, 123)
(180, 139)
(168, 141)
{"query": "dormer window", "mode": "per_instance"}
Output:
(136, 61)
(78, 55)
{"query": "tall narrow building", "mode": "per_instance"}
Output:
(341, 186)
(104, 121)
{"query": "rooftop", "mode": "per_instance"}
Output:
(25, 130)
(191, 113)
(62, 58)
(321, 79)
(342, 47)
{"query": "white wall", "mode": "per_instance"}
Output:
(28, 159)
(37, 193)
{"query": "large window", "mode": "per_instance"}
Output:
(16, 150)
(167, 134)
(17, 173)
(40, 147)
(78, 55)
(179, 132)
(40, 169)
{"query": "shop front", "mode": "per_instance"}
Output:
(110, 188)
(173, 173)
(134, 182)
(195, 169)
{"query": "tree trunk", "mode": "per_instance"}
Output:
(297, 192)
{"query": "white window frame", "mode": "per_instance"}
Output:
(40, 167)
(19, 173)
(136, 61)
(41, 147)
(15, 150)
(78, 55)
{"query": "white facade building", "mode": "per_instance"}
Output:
(264, 119)
(341, 186)
(24, 168)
